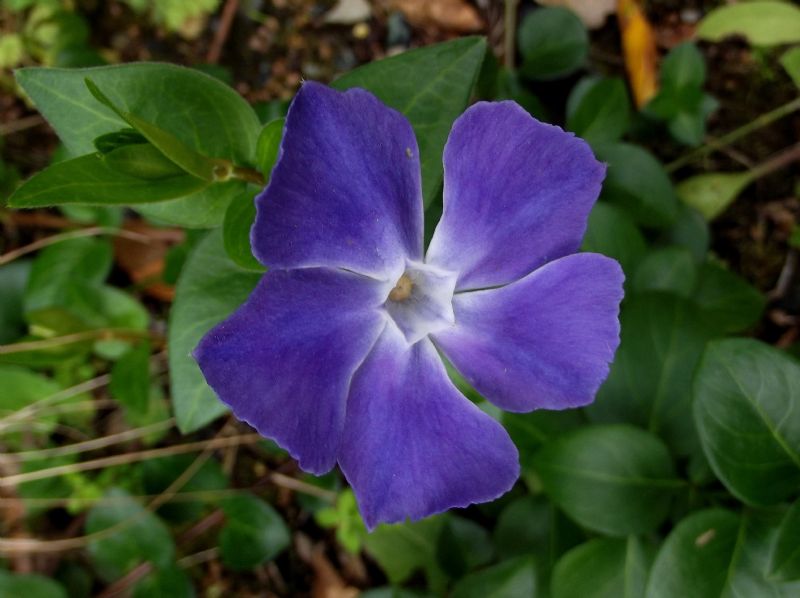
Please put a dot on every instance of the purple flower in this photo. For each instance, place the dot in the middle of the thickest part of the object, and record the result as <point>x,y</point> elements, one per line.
<point>335,354</point>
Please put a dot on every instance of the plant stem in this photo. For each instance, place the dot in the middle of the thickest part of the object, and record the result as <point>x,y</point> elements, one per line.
<point>776,162</point>
<point>77,337</point>
<point>755,124</point>
<point>249,175</point>
<point>510,33</point>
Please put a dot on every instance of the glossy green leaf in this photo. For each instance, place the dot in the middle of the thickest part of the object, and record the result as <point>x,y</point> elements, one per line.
<point>431,86</point>
<point>209,289</point>
<point>784,564</point>
<point>253,533</point>
<point>638,182</point>
<point>663,337</point>
<point>671,269</point>
<point>143,161</point>
<point>712,193</point>
<point>108,142</point>
<point>130,378</point>
<point>729,303</point>
<point>612,232</point>
<point>599,111</point>
<point>92,179</point>
<point>268,145</point>
<point>762,23</point>
<point>530,431</point>
<point>604,568</point>
<point>745,409</point>
<point>29,586</point>
<point>553,42</point>
<point>198,110</point>
<point>514,578</point>
<point>138,536</point>
<point>239,218</point>
<point>718,553</point>
<point>791,62</point>
<point>612,491</point>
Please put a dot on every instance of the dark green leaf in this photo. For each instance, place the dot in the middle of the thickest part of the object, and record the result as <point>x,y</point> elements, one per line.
<point>172,582</point>
<point>729,302</point>
<point>463,545</point>
<point>612,232</point>
<point>553,43</point>
<point>745,409</point>
<point>111,141</point>
<point>269,143</point>
<point>13,278</point>
<point>785,558</point>
<point>515,578</point>
<point>209,289</point>
<point>138,536</point>
<point>671,269</point>
<point>690,230</point>
<point>606,489</point>
<point>253,533</point>
<point>650,383</point>
<point>159,474</point>
<point>239,219</point>
<point>130,378</point>
<point>198,110</point>
<point>431,87</point>
<point>29,586</point>
<point>92,179</point>
<point>683,68</point>
<point>599,110</point>
<point>604,568</point>
<point>639,183</point>
<point>530,431</point>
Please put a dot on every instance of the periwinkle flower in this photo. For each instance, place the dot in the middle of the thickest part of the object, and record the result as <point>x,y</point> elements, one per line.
<point>335,353</point>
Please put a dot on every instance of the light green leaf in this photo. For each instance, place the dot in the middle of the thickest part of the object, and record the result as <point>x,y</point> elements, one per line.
<point>431,86</point>
<point>268,146</point>
<point>604,568</point>
<point>209,289</point>
<point>745,408</point>
<point>791,62</point>
<point>712,193</point>
<point>617,480</point>
<point>762,23</point>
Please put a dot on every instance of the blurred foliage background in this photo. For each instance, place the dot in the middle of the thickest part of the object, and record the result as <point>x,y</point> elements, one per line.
<point>120,475</point>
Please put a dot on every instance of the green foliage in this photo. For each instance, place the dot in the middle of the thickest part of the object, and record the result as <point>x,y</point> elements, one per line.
<point>29,586</point>
<point>514,578</point>
<point>761,22</point>
<point>599,110</point>
<point>785,558</point>
<point>712,193</point>
<point>253,532</point>
<point>553,42</point>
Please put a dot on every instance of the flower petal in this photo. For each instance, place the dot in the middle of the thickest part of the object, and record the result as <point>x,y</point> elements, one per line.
<point>413,445</point>
<point>517,193</point>
<point>543,342</point>
<point>283,361</point>
<point>345,191</point>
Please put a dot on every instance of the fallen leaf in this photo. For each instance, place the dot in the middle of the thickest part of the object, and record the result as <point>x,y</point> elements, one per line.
<point>450,15</point>
<point>144,262</point>
<point>639,50</point>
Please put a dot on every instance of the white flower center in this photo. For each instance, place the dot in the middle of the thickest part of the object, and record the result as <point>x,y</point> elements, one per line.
<point>421,301</point>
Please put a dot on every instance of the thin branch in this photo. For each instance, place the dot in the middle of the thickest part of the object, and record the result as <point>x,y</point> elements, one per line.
<point>21,124</point>
<point>77,337</point>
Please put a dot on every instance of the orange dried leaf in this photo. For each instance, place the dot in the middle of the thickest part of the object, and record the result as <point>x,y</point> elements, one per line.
<point>639,49</point>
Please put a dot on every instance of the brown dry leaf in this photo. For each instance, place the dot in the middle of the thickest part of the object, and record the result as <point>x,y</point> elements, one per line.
<point>144,262</point>
<point>593,13</point>
<point>450,15</point>
<point>639,50</point>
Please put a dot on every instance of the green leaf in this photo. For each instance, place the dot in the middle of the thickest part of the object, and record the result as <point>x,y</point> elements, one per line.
<point>253,533</point>
<point>683,68</point>
<point>22,387</point>
<point>712,193</point>
<point>791,62</point>
<point>111,141</point>
<point>138,536</point>
<point>762,23</point>
<point>612,491</point>
<point>143,161</point>
<point>431,86</point>
<point>690,230</point>
<point>172,582</point>
<point>553,42</point>
<point>729,302</point>
<point>639,183</point>
<point>612,232</point>
<point>599,110</point>
<point>13,278</point>
<point>404,548</point>
<point>239,219</point>
<point>209,289</point>
<point>530,431</point>
<point>717,553</point>
<point>663,337</point>
<point>670,269</point>
<point>130,378</point>
<point>200,111</point>
<point>604,568</point>
<point>462,546</point>
<point>268,146</point>
<point>171,147</point>
<point>515,578</point>
<point>784,564</point>
<point>745,399</point>
<point>29,586</point>
<point>94,179</point>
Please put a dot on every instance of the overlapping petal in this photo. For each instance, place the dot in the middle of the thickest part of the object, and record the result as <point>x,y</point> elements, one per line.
<point>283,361</point>
<point>345,191</point>
<point>412,444</point>
<point>545,341</point>
<point>517,193</point>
